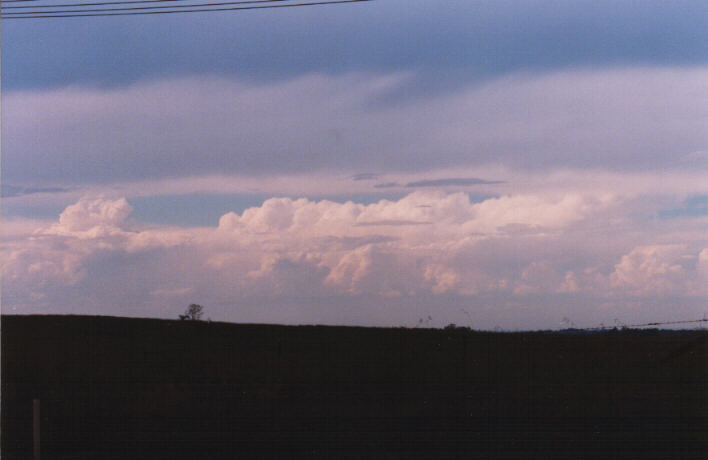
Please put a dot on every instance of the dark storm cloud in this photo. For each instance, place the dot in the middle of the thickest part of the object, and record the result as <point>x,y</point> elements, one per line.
<point>442,41</point>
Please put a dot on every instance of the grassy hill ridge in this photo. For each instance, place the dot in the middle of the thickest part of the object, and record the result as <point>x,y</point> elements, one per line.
<point>146,388</point>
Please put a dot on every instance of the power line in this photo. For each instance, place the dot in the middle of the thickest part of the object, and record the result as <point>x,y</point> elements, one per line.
<point>121,2</point>
<point>176,7</point>
<point>80,13</point>
<point>85,4</point>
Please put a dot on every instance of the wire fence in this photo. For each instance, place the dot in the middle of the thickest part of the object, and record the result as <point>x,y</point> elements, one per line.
<point>630,326</point>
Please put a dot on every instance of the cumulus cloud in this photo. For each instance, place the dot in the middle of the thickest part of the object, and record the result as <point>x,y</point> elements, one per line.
<point>395,223</point>
<point>329,254</point>
<point>93,215</point>
<point>702,268</point>
<point>657,269</point>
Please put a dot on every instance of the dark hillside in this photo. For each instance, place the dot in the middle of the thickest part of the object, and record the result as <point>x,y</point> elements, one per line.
<point>139,388</point>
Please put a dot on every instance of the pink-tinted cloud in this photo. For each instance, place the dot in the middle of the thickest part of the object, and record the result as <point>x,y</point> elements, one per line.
<point>316,255</point>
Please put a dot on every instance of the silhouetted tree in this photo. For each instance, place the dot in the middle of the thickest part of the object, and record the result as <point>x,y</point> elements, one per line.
<point>193,312</point>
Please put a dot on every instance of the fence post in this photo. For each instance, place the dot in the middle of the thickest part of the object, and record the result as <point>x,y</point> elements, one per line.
<point>36,431</point>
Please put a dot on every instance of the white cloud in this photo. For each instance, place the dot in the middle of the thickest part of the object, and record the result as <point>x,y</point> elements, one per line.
<point>93,217</point>
<point>501,251</point>
<point>657,269</point>
<point>442,277</point>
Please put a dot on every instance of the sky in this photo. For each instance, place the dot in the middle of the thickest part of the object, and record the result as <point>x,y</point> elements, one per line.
<point>493,164</point>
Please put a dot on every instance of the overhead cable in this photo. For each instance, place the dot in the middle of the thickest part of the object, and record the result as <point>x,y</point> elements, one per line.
<point>175,9</point>
<point>120,2</point>
<point>134,8</point>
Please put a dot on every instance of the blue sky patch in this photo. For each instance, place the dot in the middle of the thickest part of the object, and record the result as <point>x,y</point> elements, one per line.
<point>696,206</point>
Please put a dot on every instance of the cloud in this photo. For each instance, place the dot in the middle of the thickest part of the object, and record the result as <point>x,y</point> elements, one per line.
<point>394,223</point>
<point>365,176</point>
<point>443,278</point>
<point>174,292</point>
<point>621,120</point>
<point>481,39</point>
<point>387,185</point>
<point>12,191</point>
<point>654,269</point>
<point>702,266</point>
<point>320,256</point>
<point>459,182</point>
<point>596,149</point>
<point>93,214</point>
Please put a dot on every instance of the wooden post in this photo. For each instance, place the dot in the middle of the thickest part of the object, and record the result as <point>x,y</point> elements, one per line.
<point>36,420</point>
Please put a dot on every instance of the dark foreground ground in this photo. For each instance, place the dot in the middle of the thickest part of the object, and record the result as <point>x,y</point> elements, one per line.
<point>131,388</point>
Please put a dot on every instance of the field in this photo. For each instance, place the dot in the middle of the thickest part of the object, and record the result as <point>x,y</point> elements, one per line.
<point>158,389</point>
